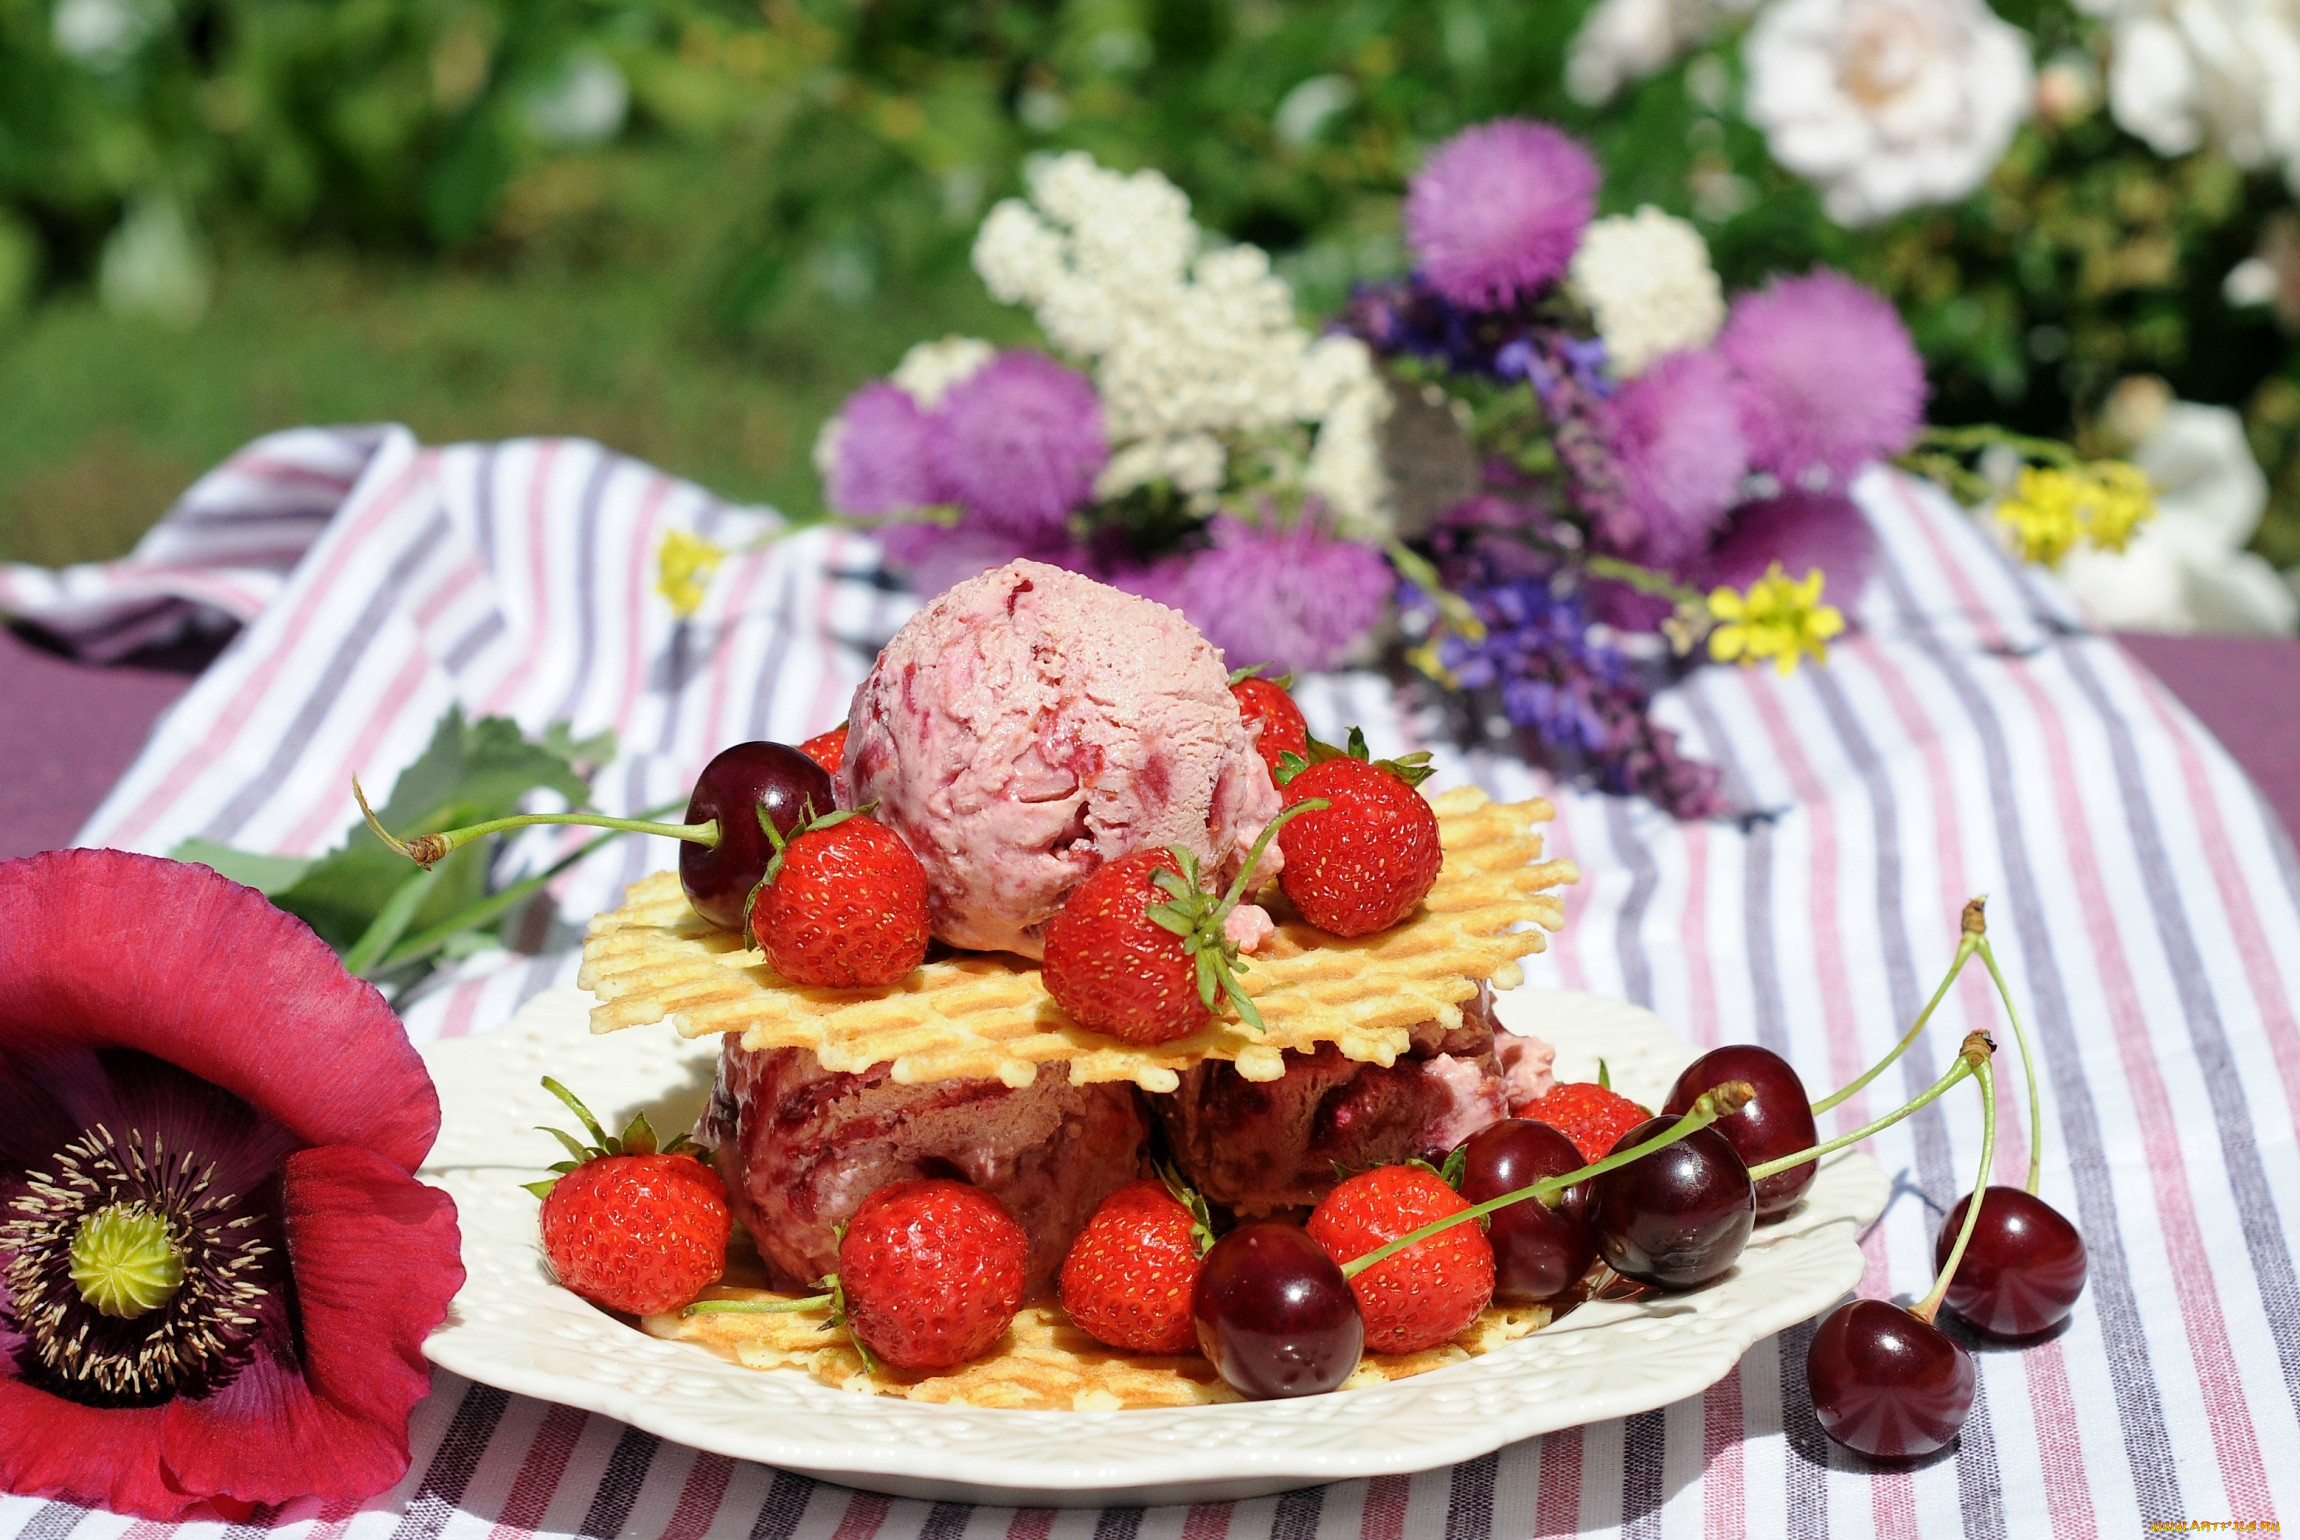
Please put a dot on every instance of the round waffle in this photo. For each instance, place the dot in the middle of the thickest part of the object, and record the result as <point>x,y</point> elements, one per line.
<point>1044,1362</point>
<point>976,1015</point>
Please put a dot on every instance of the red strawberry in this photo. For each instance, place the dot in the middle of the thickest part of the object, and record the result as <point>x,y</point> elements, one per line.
<point>1429,1292</point>
<point>1138,949</point>
<point>843,905</point>
<point>1266,702</point>
<point>931,1273</point>
<point>1593,1116</point>
<point>1363,863</point>
<point>1132,1274</point>
<point>828,750</point>
<point>630,1226</point>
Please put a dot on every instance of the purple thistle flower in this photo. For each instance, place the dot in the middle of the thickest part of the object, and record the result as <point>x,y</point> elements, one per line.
<point>879,460</point>
<point>1496,211</point>
<point>1019,443</point>
<point>1829,378</point>
<point>1675,433</point>
<point>1801,530</point>
<point>1294,598</point>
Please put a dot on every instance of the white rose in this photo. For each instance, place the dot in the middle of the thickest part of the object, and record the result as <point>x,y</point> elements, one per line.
<point>1887,105</point>
<point>2185,73</point>
<point>2187,569</point>
<point>1646,279</point>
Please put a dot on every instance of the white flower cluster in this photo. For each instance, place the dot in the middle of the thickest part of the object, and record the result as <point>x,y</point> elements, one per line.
<point>929,370</point>
<point>1622,41</point>
<point>1887,105</point>
<point>1647,282</point>
<point>2186,73</point>
<point>1187,346</point>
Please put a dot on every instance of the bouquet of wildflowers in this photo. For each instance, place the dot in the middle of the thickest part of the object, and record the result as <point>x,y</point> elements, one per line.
<point>1547,468</point>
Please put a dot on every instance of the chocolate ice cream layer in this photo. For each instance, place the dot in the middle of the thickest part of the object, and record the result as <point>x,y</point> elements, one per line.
<point>1263,1147</point>
<point>800,1147</point>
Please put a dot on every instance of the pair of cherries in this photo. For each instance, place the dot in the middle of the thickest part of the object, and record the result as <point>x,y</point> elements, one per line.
<point>1279,1319</point>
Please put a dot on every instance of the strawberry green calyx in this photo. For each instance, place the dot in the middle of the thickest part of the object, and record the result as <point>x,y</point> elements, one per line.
<point>1239,676</point>
<point>1413,769</point>
<point>1197,917</point>
<point>810,822</point>
<point>638,1138</point>
<point>1201,1217</point>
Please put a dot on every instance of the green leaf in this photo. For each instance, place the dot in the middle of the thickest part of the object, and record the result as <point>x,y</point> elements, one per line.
<point>266,874</point>
<point>471,772</point>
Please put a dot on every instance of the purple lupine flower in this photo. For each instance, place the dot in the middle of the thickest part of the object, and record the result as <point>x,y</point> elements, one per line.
<point>1675,433</point>
<point>1584,703</point>
<point>1829,377</point>
<point>1294,598</point>
<point>1496,211</point>
<point>878,462</point>
<point>1801,530</point>
<point>1019,443</point>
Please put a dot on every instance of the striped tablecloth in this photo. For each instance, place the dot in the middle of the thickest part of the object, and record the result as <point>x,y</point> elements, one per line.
<point>1970,738</point>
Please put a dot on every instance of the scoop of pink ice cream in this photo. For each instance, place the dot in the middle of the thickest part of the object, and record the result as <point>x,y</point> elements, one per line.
<point>1031,724</point>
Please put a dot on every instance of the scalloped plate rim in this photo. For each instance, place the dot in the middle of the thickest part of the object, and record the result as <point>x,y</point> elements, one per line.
<point>867,1447</point>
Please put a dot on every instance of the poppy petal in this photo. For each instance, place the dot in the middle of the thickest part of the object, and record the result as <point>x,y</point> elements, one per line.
<point>110,949</point>
<point>105,1458</point>
<point>376,1259</point>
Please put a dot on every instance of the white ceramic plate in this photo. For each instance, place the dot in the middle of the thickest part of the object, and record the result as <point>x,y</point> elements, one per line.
<point>513,1328</point>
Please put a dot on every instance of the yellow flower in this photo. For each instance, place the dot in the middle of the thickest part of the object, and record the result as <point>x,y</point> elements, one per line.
<point>2043,514</point>
<point>2101,503</point>
<point>1777,618</point>
<point>2120,502</point>
<point>683,566</point>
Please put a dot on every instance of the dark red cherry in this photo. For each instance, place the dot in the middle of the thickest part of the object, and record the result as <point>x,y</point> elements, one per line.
<point>2023,1268</point>
<point>1678,1217</point>
<point>1275,1315</point>
<point>1538,1252</point>
<point>1778,1120</point>
<point>1885,1383</point>
<point>733,788</point>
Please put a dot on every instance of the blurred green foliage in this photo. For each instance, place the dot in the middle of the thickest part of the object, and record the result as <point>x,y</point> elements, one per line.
<point>766,196</point>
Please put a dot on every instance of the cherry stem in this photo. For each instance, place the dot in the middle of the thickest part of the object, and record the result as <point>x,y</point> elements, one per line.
<point>758,1306</point>
<point>426,849</point>
<point>2028,1069</point>
<point>1717,1102</point>
<point>1975,1058</point>
<point>1932,1093</point>
<point>1969,942</point>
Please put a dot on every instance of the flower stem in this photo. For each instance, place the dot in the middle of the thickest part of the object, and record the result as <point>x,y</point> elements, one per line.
<point>1987,435</point>
<point>1644,579</point>
<point>2028,1068</point>
<point>1717,1102</point>
<point>1957,1072</point>
<point>389,924</point>
<point>757,1306</point>
<point>1975,1060</point>
<point>1967,943</point>
<point>425,849</point>
<point>424,942</point>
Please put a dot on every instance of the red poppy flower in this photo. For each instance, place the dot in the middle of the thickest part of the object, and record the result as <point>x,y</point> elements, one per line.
<point>216,1268</point>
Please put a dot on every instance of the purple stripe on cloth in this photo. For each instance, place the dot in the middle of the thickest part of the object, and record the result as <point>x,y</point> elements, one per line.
<point>619,1488</point>
<point>1980,1490</point>
<point>452,1464</point>
<point>2239,1140</point>
<point>2140,1411</point>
